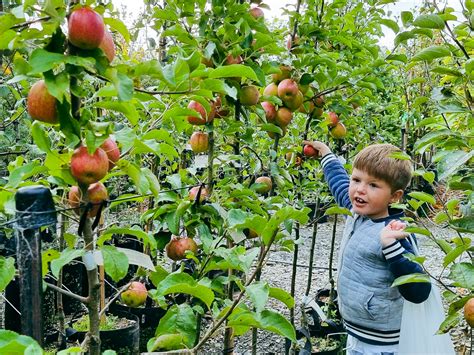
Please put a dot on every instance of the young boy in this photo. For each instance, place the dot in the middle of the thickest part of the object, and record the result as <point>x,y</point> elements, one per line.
<point>372,247</point>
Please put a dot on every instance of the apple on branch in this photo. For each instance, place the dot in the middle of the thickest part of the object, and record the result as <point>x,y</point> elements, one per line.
<point>135,295</point>
<point>89,168</point>
<point>178,246</point>
<point>41,104</point>
<point>86,28</point>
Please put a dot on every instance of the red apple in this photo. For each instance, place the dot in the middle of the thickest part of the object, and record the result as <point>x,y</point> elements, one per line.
<point>256,12</point>
<point>320,101</point>
<point>205,116</point>
<point>339,131</point>
<point>86,28</point>
<point>230,59</point>
<point>41,104</point>
<point>193,192</point>
<point>111,149</point>
<point>271,90</point>
<point>89,168</point>
<point>135,295</point>
<point>108,46</point>
<point>283,117</point>
<point>270,111</point>
<point>96,194</point>
<point>249,95</point>
<point>333,119</point>
<point>199,142</point>
<point>177,247</point>
<point>295,102</point>
<point>287,90</point>
<point>267,184</point>
<point>309,151</point>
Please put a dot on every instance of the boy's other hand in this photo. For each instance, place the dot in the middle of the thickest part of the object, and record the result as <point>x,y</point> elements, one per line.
<point>322,148</point>
<point>392,232</point>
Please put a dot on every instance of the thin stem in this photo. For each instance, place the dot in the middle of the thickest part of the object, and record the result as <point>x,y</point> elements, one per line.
<point>67,293</point>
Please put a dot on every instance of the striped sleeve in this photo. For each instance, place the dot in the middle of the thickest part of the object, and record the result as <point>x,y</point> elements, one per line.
<point>337,179</point>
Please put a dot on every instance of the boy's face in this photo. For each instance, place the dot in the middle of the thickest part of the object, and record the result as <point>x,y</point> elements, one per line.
<point>371,196</point>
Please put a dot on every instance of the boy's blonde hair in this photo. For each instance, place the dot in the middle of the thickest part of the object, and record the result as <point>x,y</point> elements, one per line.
<point>375,160</point>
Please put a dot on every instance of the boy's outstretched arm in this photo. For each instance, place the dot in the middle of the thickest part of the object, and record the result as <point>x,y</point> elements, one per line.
<point>334,173</point>
<point>394,245</point>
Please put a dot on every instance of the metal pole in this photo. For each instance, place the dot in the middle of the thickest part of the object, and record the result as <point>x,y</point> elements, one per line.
<point>34,209</point>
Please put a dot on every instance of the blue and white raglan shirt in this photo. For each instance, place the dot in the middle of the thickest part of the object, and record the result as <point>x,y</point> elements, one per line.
<point>370,307</point>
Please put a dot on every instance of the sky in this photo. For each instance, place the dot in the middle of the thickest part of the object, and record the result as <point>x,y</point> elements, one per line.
<point>133,7</point>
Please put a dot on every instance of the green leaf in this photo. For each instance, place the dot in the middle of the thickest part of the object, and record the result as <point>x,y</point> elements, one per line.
<point>423,196</point>
<point>24,172</point>
<point>119,26</point>
<point>449,323</point>
<point>7,271</point>
<point>13,343</point>
<point>430,53</point>
<point>258,293</point>
<point>337,210</point>
<point>166,342</point>
<point>282,296</point>
<point>46,257</point>
<point>115,262</point>
<point>465,224</point>
<point>127,108</point>
<point>390,24</point>
<point>463,275</point>
<point>67,255</point>
<point>283,214</point>
<point>403,37</point>
<point>233,70</point>
<point>418,230</point>
<point>411,278</point>
<point>277,324</point>
<point>40,137</point>
<point>454,254</point>
<point>184,283</point>
<point>452,162</point>
<point>179,320</point>
<point>146,238</point>
<point>407,18</point>
<point>429,21</point>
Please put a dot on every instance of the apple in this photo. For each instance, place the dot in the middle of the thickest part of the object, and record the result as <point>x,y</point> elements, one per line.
<point>271,90</point>
<point>333,119</point>
<point>309,151</point>
<point>85,28</point>
<point>230,59</point>
<point>199,142</point>
<point>290,155</point>
<point>89,168</point>
<point>469,312</point>
<point>287,90</point>
<point>294,103</point>
<point>267,184</point>
<point>96,194</point>
<point>292,44</point>
<point>193,192</point>
<point>108,46</point>
<point>177,247</point>
<point>320,101</point>
<point>205,116</point>
<point>249,95</point>
<point>256,12</point>
<point>285,73</point>
<point>338,132</point>
<point>111,149</point>
<point>135,295</point>
<point>41,104</point>
<point>283,117</point>
<point>270,111</point>
<point>220,111</point>
<point>317,112</point>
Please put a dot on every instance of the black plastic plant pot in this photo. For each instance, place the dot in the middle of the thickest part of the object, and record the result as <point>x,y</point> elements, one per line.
<point>320,216</point>
<point>147,316</point>
<point>330,344</point>
<point>123,341</point>
<point>333,324</point>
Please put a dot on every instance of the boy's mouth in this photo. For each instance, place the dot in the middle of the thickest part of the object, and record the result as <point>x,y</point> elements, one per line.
<point>359,200</point>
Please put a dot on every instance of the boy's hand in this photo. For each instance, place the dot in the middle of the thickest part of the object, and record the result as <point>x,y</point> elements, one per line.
<point>322,148</point>
<point>392,232</point>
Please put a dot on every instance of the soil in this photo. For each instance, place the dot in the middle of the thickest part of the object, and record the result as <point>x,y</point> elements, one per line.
<point>278,273</point>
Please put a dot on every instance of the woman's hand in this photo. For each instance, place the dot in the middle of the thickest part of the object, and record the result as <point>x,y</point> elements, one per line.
<point>322,148</point>
<point>392,232</point>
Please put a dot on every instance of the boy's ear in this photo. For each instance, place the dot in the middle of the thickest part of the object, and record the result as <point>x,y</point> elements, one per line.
<point>396,196</point>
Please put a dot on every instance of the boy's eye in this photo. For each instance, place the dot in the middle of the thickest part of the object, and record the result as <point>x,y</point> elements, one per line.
<point>355,179</point>
<point>373,185</point>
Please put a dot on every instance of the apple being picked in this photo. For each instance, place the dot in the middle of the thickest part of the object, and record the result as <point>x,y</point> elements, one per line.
<point>178,246</point>
<point>89,168</point>
<point>309,151</point>
<point>135,295</point>
<point>111,149</point>
<point>86,28</point>
<point>41,104</point>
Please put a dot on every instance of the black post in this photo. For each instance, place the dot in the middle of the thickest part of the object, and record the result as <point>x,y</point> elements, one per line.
<point>34,209</point>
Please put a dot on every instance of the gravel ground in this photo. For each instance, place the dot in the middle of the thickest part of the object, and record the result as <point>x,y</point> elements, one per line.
<point>278,273</point>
